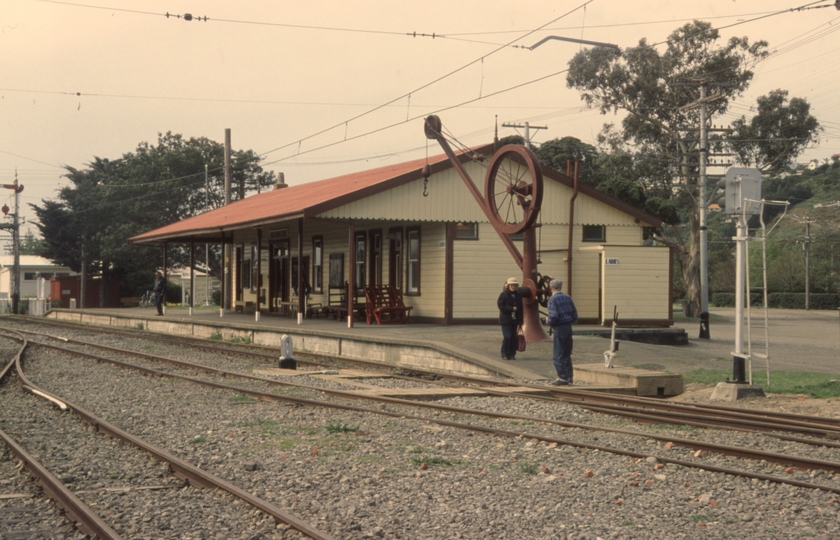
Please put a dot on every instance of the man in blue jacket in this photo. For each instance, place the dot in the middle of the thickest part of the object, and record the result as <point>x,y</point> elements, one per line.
<point>561,314</point>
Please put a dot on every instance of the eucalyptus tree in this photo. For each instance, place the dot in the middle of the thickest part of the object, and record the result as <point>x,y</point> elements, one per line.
<point>657,92</point>
<point>780,131</point>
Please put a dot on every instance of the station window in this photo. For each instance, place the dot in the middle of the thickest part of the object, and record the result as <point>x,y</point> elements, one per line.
<point>360,260</point>
<point>317,264</point>
<point>594,233</point>
<point>466,231</point>
<point>413,263</point>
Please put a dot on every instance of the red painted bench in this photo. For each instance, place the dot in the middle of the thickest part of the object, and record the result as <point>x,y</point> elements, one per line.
<point>384,304</point>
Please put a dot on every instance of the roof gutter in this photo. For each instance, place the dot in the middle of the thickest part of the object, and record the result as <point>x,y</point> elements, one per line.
<point>571,224</point>
<point>212,230</point>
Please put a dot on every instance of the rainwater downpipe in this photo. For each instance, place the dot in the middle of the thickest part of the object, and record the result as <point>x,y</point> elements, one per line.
<point>571,224</point>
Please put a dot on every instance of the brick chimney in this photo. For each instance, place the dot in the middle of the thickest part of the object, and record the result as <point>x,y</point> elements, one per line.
<point>281,181</point>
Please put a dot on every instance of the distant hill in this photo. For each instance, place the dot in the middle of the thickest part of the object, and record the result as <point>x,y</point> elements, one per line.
<point>812,221</point>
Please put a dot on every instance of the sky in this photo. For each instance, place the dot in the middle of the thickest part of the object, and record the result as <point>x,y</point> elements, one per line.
<point>327,87</point>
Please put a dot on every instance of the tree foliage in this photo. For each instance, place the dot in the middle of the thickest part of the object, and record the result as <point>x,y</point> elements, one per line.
<point>779,132</point>
<point>557,153</point>
<point>109,201</point>
<point>656,91</point>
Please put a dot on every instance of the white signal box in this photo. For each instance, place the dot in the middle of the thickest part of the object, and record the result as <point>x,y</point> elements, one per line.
<point>743,190</point>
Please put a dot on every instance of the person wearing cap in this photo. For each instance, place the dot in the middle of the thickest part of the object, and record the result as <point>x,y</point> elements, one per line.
<point>510,317</point>
<point>561,314</point>
<point>159,290</point>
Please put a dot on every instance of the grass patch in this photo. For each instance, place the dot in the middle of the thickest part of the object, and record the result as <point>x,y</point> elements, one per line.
<point>627,523</point>
<point>527,467</point>
<point>285,444</point>
<point>140,326</point>
<point>273,428</point>
<point>431,460</point>
<point>216,336</point>
<point>420,450</point>
<point>198,440</point>
<point>243,399</point>
<point>815,385</point>
<point>696,518</point>
<point>337,426</point>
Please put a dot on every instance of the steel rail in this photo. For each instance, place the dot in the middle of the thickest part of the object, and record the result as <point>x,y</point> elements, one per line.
<point>782,459</point>
<point>702,422</point>
<point>577,395</point>
<point>816,430</point>
<point>181,468</point>
<point>739,420</point>
<point>565,395</point>
<point>830,424</point>
<point>654,419</point>
<point>87,520</point>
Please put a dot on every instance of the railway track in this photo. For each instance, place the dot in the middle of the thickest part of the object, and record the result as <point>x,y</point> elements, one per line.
<point>551,415</point>
<point>132,484</point>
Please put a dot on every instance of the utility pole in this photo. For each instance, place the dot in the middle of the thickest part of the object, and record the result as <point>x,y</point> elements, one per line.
<point>702,205</point>
<point>15,228</point>
<point>528,127</point>
<point>227,274</point>
<point>206,245</point>
<point>704,239</point>
<point>807,247</point>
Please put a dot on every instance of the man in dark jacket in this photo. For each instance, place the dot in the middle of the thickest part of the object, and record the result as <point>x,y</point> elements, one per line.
<point>561,314</point>
<point>159,290</point>
<point>510,317</point>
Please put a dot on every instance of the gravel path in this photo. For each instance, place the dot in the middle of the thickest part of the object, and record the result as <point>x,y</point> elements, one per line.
<point>358,475</point>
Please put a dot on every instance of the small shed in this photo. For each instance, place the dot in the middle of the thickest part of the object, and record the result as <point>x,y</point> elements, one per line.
<point>67,289</point>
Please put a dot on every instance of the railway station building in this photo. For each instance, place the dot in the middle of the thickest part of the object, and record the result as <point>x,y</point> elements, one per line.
<point>426,237</point>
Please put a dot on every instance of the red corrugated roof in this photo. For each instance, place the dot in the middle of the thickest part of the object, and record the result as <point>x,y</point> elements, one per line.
<point>302,200</point>
<point>308,200</point>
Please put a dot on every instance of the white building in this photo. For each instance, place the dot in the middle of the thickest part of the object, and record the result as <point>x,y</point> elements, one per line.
<point>32,267</point>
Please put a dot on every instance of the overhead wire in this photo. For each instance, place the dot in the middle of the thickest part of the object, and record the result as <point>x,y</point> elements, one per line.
<point>424,86</point>
<point>463,104</point>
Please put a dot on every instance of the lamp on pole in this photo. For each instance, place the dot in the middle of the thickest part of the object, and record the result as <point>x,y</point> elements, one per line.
<point>15,228</point>
<point>206,245</point>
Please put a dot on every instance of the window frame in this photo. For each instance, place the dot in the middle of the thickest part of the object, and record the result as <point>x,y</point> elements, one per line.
<point>395,257</point>
<point>468,236</point>
<point>255,278</point>
<point>592,228</point>
<point>361,261</point>
<point>317,282</point>
<point>413,265</point>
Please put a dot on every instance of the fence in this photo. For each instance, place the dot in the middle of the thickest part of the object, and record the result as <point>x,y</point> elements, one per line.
<point>32,306</point>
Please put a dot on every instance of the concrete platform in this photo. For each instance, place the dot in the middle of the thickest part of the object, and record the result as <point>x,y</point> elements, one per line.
<point>469,350</point>
<point>647,383</point>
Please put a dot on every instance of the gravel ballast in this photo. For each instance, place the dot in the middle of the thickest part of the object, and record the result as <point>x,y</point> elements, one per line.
<point>361,475</point>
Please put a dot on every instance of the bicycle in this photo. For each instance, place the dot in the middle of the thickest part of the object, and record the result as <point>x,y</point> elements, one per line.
<point>148,299</point>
